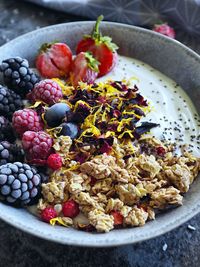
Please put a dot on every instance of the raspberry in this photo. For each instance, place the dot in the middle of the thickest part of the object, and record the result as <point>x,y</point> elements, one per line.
<point>160,150</point>
<point>48,213</point>
<point>26,120</point>
<point>70,208</point>
<point>54,161</point>
<point>47,91</point>
<point>118,218</point>
<point>37,146</point>
<point>164,29</point>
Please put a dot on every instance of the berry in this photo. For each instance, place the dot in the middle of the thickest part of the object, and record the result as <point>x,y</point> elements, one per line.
<point>102,48</point>
<point>48,213</point>
<point>84,69</point>
<point>164,29</point>
<point>54,60</point>
<point>160,151</point>
<point>70,208</point>
<point>6,130</point>
<point>37,146</point>
<point>9,102</point>
<point>47,91</point>
<point>55,114</point>
<point>118,218</point>
<point>25,120</point>
<point>69,129</point>
<point>54,161</point>
<point>10,153</point>
<point>18,76</point>
<point>19,183</point>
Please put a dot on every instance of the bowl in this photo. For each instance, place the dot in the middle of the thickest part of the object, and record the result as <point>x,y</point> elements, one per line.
<point>168,56</point>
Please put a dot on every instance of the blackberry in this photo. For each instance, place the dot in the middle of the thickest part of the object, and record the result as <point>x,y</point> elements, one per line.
<point>9,102</point>
<point>10,153</point>
<point>6,130</point>
<point>18,76</point>
<point>20,184</point>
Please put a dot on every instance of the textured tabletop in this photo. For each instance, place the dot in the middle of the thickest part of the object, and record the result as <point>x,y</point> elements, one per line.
<point>180,247</point>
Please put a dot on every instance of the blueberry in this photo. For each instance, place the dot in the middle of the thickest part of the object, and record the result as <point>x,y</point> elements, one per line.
<point>69,129</point>
<point>55,114</point>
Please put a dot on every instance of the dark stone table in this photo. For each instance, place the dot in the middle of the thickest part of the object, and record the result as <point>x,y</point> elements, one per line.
<point>177,248</point>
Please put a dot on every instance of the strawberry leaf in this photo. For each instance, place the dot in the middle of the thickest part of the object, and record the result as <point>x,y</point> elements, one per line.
<point>92,62</point>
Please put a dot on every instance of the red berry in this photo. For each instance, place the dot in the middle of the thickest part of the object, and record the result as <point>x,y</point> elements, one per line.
<point>37,146</point>
<point>26,120</point>
<point>48,213</point>
<point>84,68</point>
<point>164,29</point>
<point>118,218</point>
<point>54,60</point>
<point>102,48</point>
<point>54,161</point>
<point>47,91</point>
<point>160,150</point>
<point>70,208</point>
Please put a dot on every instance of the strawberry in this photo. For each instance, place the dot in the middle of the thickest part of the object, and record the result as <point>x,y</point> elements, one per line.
<point>102,48</point>
<point>54,60</point>
<point>84,68</point>
<point>164,29</point>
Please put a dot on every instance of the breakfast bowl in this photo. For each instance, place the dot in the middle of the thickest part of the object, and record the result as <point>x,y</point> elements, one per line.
<point>169,57</point>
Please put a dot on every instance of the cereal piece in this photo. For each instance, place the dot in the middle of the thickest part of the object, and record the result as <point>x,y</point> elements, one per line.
<point>127,193</point>
<point>98,171</point>
<point>118,174</point>
<point>136,217</point>
<point>149,164</point>
<point>75,181</point>
<point>41,204</point>
<point>62,145</point>
<point>101,221</point>
<point>179,176</point>
<point>114,204</point>
<point>164,197</point>
<point>125,210</point>
<point>102,186</point>
<point>54,192</point>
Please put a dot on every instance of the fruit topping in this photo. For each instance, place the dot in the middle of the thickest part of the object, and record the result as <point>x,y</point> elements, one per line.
<point>54,161</point>
<point>69,129</point>
<point>18,76</point>
<point>48,213</point>
<point>10,153</point>
<point>102,48</point>
<point>55,114</point>
<point>19,183</point>
<point>38,146</point>
<point>9,102</point>
<point>54,60</point>
<point>47,91</point>
<point>84,69</point>
<point>26,120</point>
<point>70,209</point>
<point>118,218</point>
<point>6,130</point>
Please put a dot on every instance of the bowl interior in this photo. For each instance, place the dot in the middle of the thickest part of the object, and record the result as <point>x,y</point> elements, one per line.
<point>168,56</point>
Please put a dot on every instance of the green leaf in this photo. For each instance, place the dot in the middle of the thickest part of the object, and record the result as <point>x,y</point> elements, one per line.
<point>92,62</point>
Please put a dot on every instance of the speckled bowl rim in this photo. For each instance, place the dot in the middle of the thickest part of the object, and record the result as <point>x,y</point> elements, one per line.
<point>105,241</point>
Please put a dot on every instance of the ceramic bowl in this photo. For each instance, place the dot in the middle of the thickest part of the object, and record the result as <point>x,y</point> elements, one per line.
<point>168,56</point>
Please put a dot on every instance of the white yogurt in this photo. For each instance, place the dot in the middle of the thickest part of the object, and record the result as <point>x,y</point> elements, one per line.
<point>171,107</point>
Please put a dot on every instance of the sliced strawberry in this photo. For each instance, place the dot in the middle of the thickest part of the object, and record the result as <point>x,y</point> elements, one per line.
<point>84,68</point>
<point>101,47</point>
<point>118,218</point>
<point>54,60</point>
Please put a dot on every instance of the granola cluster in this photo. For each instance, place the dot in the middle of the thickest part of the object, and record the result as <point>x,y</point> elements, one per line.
<point>138,186</point>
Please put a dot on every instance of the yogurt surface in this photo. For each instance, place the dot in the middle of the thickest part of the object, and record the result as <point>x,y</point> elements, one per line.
<point>172,109</point>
